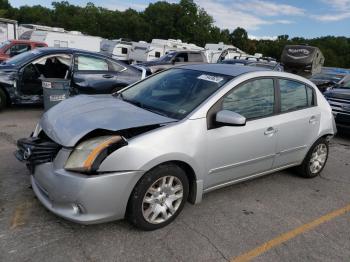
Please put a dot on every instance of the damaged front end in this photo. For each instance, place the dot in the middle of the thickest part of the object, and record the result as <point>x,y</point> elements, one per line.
<point>86,157</point>
<point>36,151</point>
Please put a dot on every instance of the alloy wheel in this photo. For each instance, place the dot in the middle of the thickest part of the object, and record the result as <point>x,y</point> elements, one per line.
<point>162,199</point>
<point>318,158</point>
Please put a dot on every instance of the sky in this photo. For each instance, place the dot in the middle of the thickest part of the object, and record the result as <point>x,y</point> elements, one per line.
<point>261,18</point>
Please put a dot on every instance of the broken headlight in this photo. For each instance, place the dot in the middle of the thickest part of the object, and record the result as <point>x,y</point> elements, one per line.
<point>89,154</point>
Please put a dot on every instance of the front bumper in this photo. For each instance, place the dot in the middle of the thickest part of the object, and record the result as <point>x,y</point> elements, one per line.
<point>81,198</point>
<point>342,119</point>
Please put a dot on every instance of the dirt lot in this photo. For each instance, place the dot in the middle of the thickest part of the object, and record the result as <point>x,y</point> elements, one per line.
<point>280,217</point>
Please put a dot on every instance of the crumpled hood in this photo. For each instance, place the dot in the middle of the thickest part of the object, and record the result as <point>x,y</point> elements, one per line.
<point>70,120</point>
<point>341,93</point>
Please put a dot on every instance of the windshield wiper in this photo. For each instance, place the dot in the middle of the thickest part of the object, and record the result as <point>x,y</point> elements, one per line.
<point>153,110</point>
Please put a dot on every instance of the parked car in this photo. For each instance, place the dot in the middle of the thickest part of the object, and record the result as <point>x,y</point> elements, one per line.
<point>175,58</point>
<point>12,48</point>
<point>89,72</point>
<point>325,81</point>
<point>171,138</point>
<point>272,65</point>
<point>338,97</point>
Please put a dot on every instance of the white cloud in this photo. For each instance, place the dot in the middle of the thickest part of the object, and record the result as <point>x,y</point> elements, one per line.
<point>231,15</point>
<point>331,17</point>
<point>123,5</point>
<point>270,8</point>
<point>254,37</point>
<point>340,5</point>
<point>340,10</point>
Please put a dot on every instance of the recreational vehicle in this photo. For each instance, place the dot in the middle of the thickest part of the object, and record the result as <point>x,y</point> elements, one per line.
<point>138,52</point>
<point>8,29</point>
<point>218,52</point>
<point>118,49</point>
<point>160,47</point>
<point>303,60</point>
<point>58,37</point>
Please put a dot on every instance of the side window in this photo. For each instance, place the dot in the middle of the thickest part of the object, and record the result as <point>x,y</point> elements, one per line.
<point>293,95</point>
<point>54,66</point>
<point>90,63</point>
<point>182,57</point>
<point>124,50</point>
<point>253,99</point>
<point>195,57</point>
<point>157,54</point>
<point>18,49</point>
<point>115,67</point>
<point>310,96</point>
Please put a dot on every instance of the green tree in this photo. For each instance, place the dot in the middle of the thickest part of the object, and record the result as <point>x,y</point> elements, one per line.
<point>239,38</point>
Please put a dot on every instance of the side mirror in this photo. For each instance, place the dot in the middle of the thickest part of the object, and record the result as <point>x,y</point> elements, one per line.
<point>229,118</point>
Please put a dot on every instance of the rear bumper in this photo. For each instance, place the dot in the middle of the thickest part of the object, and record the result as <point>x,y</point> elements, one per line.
<point>84,199</point>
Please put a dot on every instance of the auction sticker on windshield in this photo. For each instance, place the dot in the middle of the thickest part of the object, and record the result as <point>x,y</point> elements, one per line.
<point>215,79</point>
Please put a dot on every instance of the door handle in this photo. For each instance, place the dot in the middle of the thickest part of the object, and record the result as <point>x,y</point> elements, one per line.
<point>313,120</point>
<point>270,131</point>
<point>107,76</point>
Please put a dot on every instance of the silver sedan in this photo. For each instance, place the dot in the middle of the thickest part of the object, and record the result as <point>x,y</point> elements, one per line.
<point>168,139</point>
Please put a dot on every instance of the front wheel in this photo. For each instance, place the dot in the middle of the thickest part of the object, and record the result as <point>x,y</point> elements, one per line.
<point>315,160</point>
<point>158,197</point>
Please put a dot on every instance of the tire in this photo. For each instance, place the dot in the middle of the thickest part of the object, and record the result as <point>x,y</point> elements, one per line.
<point>315,159</point>
<point>3,100</point>
<point>152,203</point>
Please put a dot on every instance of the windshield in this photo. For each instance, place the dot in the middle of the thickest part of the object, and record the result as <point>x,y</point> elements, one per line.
<point>22,58</point>
<point>3,44</point>
<point>176,92</point>
<point>167,57</point>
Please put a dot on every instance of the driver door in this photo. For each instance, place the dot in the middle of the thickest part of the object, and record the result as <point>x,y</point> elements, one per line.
<point>49,66</point>
<point>237,152</point>
<point>30,82</point>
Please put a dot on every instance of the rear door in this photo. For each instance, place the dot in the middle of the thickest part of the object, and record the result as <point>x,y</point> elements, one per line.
<point>94,74</point>
<point>298,122</point>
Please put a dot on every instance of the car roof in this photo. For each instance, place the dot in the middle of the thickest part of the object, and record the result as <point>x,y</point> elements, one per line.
<point>50,50</point>
<point>224,69</point>
<point>26,42</point>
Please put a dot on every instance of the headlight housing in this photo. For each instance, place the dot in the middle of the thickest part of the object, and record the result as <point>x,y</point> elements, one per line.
<point>89,154</point>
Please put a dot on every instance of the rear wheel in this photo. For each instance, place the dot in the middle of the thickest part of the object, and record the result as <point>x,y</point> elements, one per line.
<point>315,160</point>
<point>3,99</point>
<point>158,197</point>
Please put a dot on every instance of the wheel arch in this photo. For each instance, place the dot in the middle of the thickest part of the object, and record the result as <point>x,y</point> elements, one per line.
<point>195,185</point>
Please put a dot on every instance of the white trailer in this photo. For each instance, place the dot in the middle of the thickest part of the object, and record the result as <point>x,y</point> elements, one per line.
<point>220,51</point>
<point>160,47</point>
<point>138,52</point>
<point>117,48</point>
<point>71,39</point>
<point>8,29</point>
